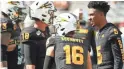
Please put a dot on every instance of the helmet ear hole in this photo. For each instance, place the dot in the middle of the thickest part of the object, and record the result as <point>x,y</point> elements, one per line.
<point>44,15</point>
<point>37,3</point>
<point>63,33</point>
<point>43,19</point>
<point>9,10</point>
<point>62,29</point>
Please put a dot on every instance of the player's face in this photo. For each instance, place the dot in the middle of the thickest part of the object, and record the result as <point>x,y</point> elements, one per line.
<point>40,25</point>
<point>94,17</point>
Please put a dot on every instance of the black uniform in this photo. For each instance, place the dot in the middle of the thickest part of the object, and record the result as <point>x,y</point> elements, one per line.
<point>13,57</point>
<point>87,32</point>
<point>10,56</point>
<point>6,26</point>
<point>34,42</point>
<point>109,45</point>
<point>70,53</point>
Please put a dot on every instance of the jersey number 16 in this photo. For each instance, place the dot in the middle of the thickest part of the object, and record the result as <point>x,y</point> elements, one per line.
<point>74,54</point>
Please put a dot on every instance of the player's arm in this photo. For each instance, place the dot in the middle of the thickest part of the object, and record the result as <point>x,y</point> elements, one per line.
<point>49,58</point>
<point>29,57</point>
<point>29,47</point>
<point>89,64</point>
<point>117,48</point>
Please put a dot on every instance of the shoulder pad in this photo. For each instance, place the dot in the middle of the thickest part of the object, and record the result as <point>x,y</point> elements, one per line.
<point>114,33</point>
<point>83,31</point>
<point>6,25</point>
<point>31,33</point>
<point>27,33</point>
<point>50,41</point>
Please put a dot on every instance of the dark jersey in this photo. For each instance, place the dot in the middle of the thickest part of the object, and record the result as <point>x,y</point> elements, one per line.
<point>109,45</point>
<point>70,53</point>
<point>34,42</point>
<point>35,36</point>
<point>31,34</point>
<point>15,57</point>
<point>6,25</point>
<point>6,29</point>
<point>15,37</point>
<point>87,33</point>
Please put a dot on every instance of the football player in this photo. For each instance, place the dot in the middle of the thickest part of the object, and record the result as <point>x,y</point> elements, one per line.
<point>68,51</point>
<point>86,31</point>
<point>34,37</point>
<point>108,40</point>
<point>16,14</point>
<point>6,32</point>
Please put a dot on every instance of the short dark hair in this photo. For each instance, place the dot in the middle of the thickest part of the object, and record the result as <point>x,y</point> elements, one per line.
<point>99,5</point>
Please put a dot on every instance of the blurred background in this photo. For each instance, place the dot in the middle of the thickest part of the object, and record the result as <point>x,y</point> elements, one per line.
<point>115,14</point>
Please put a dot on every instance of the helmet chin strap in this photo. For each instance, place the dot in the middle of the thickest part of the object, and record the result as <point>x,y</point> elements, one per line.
<point>29,11</point>
<point>51,17</point>
<point>51,21</point>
